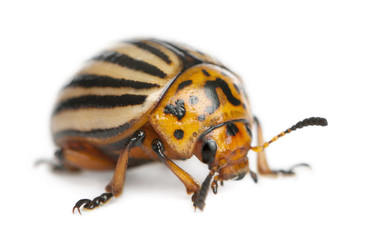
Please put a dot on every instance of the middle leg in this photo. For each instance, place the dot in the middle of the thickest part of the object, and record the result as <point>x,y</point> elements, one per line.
<point>115,187</point>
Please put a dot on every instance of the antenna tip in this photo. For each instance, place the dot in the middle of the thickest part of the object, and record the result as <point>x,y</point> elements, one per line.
<point>318,121</point>
<point>324,122</point>
<point>313,121</point>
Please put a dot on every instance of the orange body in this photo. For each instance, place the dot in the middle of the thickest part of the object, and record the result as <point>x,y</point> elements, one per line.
<point>151,100</point>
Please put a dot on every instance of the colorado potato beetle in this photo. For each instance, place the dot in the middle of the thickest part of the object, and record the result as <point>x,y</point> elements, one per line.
<point>148,100</point>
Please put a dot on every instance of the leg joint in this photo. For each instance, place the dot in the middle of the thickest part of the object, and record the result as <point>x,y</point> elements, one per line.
<point>159,148</point>
<point>137,138</point>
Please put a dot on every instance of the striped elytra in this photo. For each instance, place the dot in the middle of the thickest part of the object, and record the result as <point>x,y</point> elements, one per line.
<point>113,90</point>
<point>150,100</point>
<point>114,93</point>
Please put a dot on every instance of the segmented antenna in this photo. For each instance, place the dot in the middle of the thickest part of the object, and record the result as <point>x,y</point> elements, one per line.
<point>313,121</point>
<point>199,201</point>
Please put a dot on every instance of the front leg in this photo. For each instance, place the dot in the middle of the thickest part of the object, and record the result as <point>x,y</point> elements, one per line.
<point>190,183</point>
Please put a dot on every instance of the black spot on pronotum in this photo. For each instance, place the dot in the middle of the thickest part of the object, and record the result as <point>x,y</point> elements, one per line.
<point>178,134</point>
<point>178,110</point>
<point>210,89</point>
<point>183,84</point>
<point>193,100</point>
<point>232,129</point>
<point>201,117</point>
<point>207,74</point>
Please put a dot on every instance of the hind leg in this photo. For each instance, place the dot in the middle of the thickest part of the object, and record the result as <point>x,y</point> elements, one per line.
<point>84,156</point>
<point>79,156</point>
<point>58,164</point>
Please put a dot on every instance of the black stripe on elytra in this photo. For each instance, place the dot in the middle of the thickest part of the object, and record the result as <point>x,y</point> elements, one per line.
<point>187,58</point>
<point>153,50</point>
<point>210,89</point>
<point>183,84</point>
<point>97,101</point>
<point>232,129</point>
<point>90,80</point>
<point>129,62</point>
<point>178,110</point>
<point>94,133</point>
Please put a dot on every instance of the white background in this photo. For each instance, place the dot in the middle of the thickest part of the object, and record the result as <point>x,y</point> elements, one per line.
<point>297,58</point>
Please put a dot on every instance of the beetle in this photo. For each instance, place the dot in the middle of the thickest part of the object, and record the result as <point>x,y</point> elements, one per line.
<point>146,100</point>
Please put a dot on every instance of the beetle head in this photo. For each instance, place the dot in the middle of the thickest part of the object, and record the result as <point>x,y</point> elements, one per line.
<point>225,150</point>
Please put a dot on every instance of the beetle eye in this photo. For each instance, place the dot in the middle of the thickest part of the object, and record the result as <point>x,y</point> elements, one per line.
<point>208,151</point>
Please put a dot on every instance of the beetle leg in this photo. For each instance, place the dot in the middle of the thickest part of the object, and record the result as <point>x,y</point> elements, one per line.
<point>117,183</point>
<point>253,176</point>
<point>80,156</point>
<point>214,186</point>
<point>189,182</point>
<point>262,164</point>
<point>290,171</point>
<point>60,165</point>
<point>115,187</point>
<point>91,204</point>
